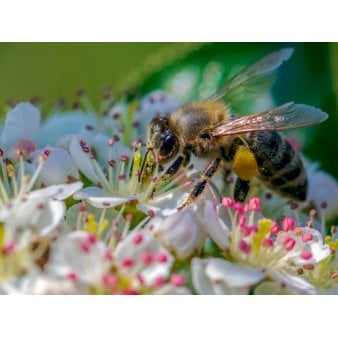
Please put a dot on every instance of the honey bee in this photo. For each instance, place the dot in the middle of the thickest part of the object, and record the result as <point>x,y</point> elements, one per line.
<point>249,145</point>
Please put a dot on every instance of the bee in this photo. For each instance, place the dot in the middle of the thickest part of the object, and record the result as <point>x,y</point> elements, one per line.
<point>250,146</point>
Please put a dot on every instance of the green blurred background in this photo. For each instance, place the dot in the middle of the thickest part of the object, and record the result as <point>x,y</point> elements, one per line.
<point>56,70</point>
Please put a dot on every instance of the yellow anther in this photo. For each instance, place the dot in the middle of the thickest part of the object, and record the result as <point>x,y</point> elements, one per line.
<point>333,246</point>
<point>328,239</point>
<point>90,218</point>
<point>244,164</point>
<point>264,226</point>
<point>104,225</point>
<point>91,225</point>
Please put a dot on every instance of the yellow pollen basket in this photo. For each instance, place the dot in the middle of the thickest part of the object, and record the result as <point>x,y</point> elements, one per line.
<point>244,164</point>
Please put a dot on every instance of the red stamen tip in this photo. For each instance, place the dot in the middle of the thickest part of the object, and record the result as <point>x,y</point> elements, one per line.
<point>227,202</point>
<point>138,238</point>
<point>177,280</point>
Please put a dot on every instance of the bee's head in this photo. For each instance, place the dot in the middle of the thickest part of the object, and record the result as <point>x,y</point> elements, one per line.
<point>162,140</point>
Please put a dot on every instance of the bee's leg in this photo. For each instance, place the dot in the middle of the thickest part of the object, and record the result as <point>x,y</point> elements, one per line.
<point>202,182</point>
<point>175,166</point>
<point>241,190</point>
<point>181,160</point>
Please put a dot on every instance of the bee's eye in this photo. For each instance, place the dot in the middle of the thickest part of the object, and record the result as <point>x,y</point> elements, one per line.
<point>168,143</point>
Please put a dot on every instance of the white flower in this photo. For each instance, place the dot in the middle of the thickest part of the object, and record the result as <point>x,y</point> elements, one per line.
<point>140,258</point>
<point>283,252</point>
<point>218,276</point>
<point>28,222</point>
<point>182,233</point>
<point>38,211</point>
<point>33,213</point>
<point>22,123</point>
<point>114,190</point>
<point>79,257</point>
<point>138,265</point>
<point>121,184</point>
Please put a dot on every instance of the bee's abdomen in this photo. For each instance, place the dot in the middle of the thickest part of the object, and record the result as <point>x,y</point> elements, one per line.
<point>280,167</point>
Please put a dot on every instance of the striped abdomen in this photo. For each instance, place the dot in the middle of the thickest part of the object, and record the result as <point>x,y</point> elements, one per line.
<point>280,167</point>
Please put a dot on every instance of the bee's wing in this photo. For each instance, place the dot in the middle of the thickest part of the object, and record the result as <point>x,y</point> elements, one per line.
<point>252,77</point>
<point>287,116</point>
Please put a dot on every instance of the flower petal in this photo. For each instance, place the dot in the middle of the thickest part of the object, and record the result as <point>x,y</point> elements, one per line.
<point>76,255</point>
<point>295,284</point>
<point>33,212</point>
<point>233,274</point>
<point>317,250</point>
<point>48,285</point>
<point>98,198</point>
<point>58,168</point>
<point>59,191</point>
<point>82,161</point>
<point>22,122</point>
<point>181,233</point>
<point>216,228</point>
<point>127,248</point>
<point>92,191</point>
<point>202,283</point>
<point>165,204</point>
<point>218,276</point>
<point>62,124</point>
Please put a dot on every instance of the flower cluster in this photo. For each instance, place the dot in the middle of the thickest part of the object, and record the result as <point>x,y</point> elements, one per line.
<point>78,217</point>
